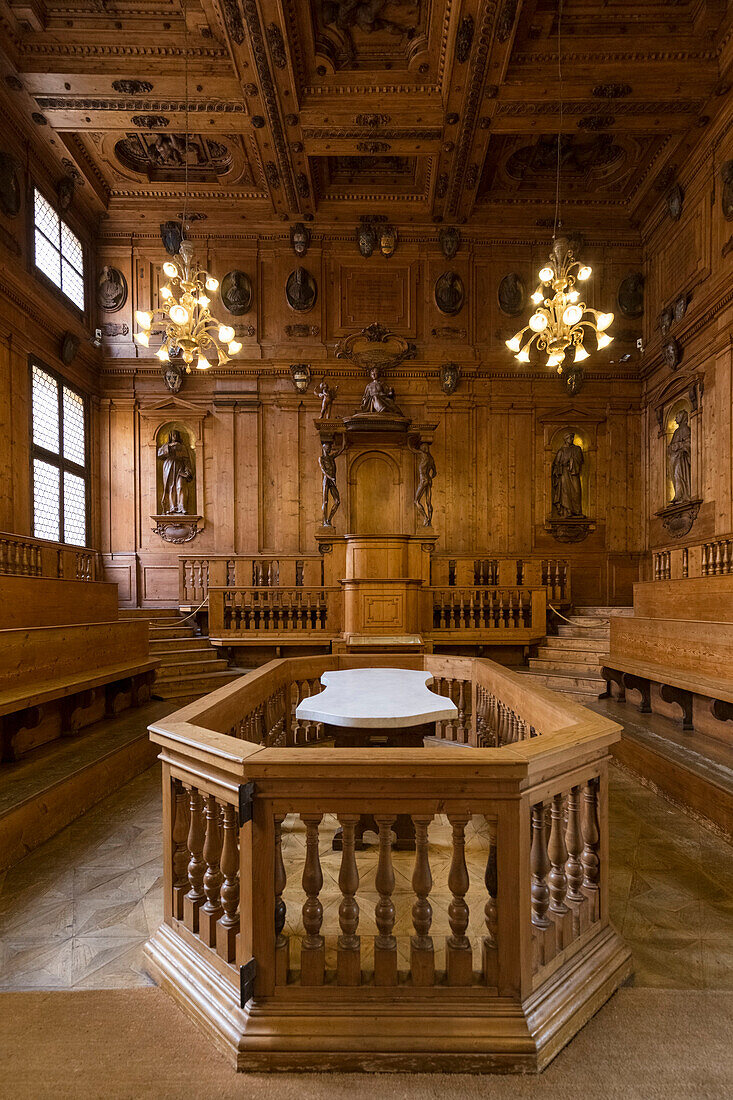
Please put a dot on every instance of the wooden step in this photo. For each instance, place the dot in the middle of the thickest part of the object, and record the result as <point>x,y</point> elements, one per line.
<point>564,668</point>
<point>185,687</point>
<point>190,668</point>
<point>564,682</point>
<point>574,654</point>
<point>605,612</point>
<point>165,645</point>
<point>192,653</point>
<point>578,641</point>
<point>160,633</point>
<point>567,631</point>
<point>149,612</point>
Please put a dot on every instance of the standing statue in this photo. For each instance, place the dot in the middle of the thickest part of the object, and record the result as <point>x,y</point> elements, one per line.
<point>177,472</point>
<point>567,494</point>
<point>327,395</point>
<point>327,462</point>
<point>679,453</point>
<point>426,472</point>
<point>379,398</point>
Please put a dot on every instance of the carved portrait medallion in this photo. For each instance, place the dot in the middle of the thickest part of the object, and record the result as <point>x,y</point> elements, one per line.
<point>236,292</point>
<point>301,290</point>
<point>449,293</point>
<point>300,238</point>
<point>631,295</point>
<point>9,186</point>
<point>111,289</point>
<point>675,202</point>
<point>511,294</point>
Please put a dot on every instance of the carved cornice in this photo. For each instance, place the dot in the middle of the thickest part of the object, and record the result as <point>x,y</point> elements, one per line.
<point>471,105</point>
<point>600,107</point>
<point>129,103</point>
<point>270,100</point>
<point>337,133</point>
<point>38,49</point>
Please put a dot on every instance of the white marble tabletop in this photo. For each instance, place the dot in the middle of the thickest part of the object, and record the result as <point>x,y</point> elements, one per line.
<point>372,698</point>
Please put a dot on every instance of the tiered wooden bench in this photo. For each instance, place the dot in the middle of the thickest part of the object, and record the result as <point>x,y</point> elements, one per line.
<point>65,671</point>
<point>687,658</point>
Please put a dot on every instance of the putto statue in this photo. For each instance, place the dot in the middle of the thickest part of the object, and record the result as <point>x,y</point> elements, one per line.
<point>679,454</point>
<point>327,462</point>
<point>379,398</point>
<point>177,473</point>
<point>426,472</point>
<point>327,395</point>
<point>567,493</point>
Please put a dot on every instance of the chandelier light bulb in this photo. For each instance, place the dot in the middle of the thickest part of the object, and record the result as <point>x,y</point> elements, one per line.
<point>580,354</point>
<point>170,269</point>
<point>555,358</point>
<point>204,301</point>
<point>572,315</point>
<point>179,315</point>
<point>226,333</point>
<point>142,338</point>
<point>143,318</point>
<point>573,296</point>
<point>604,340</point>
<point>513,344</point>
<point>585,272</point>
<point>546,274</point>
<point>212,283</point>
<point>202,363</point>
<point>538,297</point>
<point>166,292</point>
<point>523,356</point>
<point>234,347</point>
<point>603,320</point>
<point>162,354</point>
<point>538,322</point>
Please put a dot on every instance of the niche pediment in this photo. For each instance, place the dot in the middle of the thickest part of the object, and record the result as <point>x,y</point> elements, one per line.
<point>173,408</point>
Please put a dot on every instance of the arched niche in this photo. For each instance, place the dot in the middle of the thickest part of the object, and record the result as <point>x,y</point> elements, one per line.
<point>173,429</point>
<point>376,495</point>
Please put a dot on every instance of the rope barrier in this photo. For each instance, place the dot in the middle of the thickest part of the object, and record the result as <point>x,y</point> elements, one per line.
<point>586,626</point>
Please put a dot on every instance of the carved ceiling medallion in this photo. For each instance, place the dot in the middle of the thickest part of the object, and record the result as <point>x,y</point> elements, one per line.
<point>164,157</point>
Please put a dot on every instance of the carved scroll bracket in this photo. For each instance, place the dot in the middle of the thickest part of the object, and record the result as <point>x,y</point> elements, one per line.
<point>570,528</point>
<point>177,529</point>
<point>679,518</point>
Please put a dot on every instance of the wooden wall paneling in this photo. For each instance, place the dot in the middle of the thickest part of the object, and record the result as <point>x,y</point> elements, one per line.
<point>280,498</point>
<point>7,510</point>
<point>246,476</point>
<point>223,505</point>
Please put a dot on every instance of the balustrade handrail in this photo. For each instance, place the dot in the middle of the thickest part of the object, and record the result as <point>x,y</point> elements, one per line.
<point>26,555</point>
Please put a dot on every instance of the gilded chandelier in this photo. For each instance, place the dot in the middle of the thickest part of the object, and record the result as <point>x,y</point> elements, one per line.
<point>185,320</point>
<point>561,321</point>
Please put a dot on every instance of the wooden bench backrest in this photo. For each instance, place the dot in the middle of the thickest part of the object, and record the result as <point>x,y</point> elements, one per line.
<point>42,601</point>
<point>699,598</point>
<point>42,653</point>
<point>702,647</point>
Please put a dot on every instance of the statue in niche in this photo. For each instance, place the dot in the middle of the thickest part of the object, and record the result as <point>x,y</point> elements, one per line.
<point>679,453</point>
<point>567,493</point>
<point>379,398</point>
<point>327,395</point>
<point>177,473</point>
<point>327,462</point>
<point>300,290</point>
<point>426,472</point>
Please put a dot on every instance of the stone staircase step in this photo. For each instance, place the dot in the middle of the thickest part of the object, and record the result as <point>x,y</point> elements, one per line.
<point>181,669</point>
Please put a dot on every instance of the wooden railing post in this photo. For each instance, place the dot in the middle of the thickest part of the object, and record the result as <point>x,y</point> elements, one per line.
<point>514,929</point>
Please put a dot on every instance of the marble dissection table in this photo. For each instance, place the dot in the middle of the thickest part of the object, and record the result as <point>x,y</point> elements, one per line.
<point>378,708</point>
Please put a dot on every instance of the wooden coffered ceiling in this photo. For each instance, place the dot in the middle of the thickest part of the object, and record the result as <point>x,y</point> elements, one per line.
<point>422,110</point>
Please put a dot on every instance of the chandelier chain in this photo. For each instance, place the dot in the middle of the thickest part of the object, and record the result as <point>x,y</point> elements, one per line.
<point>559,131</point>
<point>185,145</point>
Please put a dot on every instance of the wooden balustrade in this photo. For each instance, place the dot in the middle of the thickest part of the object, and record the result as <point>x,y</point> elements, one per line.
<point>518,612</point>
<point>197,573</point>
<point>707,559</point>
<point>236,612</point>
<point>22,556</point>
<point>501,911</point>
<point>553,574</point>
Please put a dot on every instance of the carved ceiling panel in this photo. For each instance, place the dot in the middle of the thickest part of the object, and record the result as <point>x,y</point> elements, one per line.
<point>440,110</point>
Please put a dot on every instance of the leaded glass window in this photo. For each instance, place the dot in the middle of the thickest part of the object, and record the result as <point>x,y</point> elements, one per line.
<point>60,468</point>
<point>57,251</point>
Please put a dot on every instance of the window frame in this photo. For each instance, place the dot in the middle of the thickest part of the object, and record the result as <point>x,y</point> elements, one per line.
<point>57,291</point>
<point>62,464</point>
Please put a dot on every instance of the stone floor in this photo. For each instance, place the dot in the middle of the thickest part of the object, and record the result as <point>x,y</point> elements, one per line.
<point>76,913</point>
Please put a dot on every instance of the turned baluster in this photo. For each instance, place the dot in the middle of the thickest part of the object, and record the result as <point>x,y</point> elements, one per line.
<point>348,963</point>
<point>574,845</point>
<point>558,881</point>
<point>282,943</point>
<point>685,562</point>
<point>385,944</point>
<point>313,950</point>
<point>726,557</point>
<point>228,924</point>
<point>490,957</point>
<point>462,731</point>
<point>458,953</point>
<point>181,854</point>
<point>591,836</point>
<point>501,608</point>
<point>422,954</point>
<point>212,909</point>
<point>540,865</point>
<point>195,897</point>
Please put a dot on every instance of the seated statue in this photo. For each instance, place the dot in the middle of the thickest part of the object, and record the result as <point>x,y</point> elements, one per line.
<point>379,398</point>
